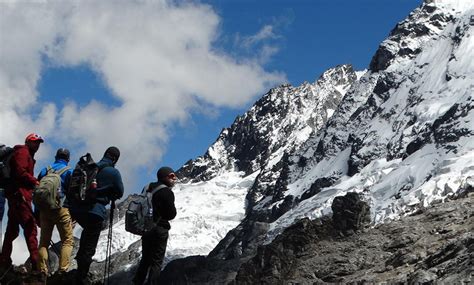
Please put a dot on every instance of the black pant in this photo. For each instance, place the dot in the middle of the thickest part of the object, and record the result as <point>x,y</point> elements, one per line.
<point>92,226</point>
<point>153,252</point>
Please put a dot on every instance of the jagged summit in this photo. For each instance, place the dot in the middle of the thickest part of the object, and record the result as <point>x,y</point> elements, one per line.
<point>282,118</point>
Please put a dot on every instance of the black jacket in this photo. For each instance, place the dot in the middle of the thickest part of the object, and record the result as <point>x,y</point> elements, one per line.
<point>109,187</point>
<point>164,209</point>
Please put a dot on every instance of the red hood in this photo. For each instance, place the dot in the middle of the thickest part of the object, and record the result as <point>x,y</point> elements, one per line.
<point>20,146</point>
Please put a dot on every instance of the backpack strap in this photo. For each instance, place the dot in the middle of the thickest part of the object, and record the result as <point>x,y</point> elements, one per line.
<point>149,195</point>
<point>58,172</point>
<point>62,170</point>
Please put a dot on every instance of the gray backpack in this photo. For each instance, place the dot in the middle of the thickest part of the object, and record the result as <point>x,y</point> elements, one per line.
<point>6,153</point>
<point>139,215</point>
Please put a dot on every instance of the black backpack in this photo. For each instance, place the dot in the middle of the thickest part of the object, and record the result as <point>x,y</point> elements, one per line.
<point>83,184</point>
<point>6,153</point>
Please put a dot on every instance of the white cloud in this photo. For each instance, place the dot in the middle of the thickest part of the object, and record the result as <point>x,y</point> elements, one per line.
<point>266,33</point>
<point>156,57</point>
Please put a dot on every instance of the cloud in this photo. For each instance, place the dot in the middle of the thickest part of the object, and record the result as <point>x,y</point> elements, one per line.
<point>263,45</point>
<point>157,58</point>
<point>264,34</point>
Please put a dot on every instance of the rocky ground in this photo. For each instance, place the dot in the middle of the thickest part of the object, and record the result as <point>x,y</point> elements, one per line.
<point>435,244</point>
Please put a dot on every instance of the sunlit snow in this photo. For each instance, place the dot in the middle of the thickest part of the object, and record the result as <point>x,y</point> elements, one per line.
<point>206,211</point>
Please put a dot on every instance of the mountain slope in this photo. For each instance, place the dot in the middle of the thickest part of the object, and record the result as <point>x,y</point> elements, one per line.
<point>399,134</point>
<point>398,139</point>
<point>433,244</point>
<point>211,198</point>
<point>283,118</point>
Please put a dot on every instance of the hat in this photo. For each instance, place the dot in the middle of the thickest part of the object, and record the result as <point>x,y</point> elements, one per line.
<point>163,172</point>
<point>112,153</point>
<point>63,153</point>
<point>34,137</point>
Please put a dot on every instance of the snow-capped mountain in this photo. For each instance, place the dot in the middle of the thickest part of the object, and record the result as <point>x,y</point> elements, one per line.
<point>403,133</point>
<point>399,134</point>
<point>211,198</point>
<point>282,119</point>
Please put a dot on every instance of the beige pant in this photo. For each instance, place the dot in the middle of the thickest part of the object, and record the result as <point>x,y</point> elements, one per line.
<point>62,220</point>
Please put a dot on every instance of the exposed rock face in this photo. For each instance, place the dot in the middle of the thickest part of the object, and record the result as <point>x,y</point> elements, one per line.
<point>432,245</point>
<point>282,119</point>
<point>400,42</point>
<point>349,213</point>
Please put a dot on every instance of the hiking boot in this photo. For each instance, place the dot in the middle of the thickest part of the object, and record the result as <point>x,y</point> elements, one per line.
<point>35,277</point>
<point>22,270</point>
<point>60,278</point>
<point>82,279</point>
<point>5,270</point>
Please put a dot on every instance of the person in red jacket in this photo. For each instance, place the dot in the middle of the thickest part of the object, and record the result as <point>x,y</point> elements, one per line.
<point>19,196</point>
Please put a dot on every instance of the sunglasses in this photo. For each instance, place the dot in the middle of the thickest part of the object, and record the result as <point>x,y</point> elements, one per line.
<point>173,177</point>
<point>34,137</point>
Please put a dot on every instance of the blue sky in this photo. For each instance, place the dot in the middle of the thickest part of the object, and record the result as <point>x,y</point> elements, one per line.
<point>313,35</point>
<point>161,79</point>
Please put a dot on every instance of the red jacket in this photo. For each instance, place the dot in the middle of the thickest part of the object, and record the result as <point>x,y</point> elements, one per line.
<point>22,167</point>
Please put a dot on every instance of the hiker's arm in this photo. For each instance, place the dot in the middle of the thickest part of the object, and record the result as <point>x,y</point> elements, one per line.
<point>42,173</point>
<point>166,207</point>
<point>20,166</point>
<point>114,190</point>
<point>67,180</point>
<point>118,189</point>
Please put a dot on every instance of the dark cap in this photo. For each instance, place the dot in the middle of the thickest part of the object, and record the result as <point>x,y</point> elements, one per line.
<point>163,172</point>
<point>63,153</point>
<point>112,153</point>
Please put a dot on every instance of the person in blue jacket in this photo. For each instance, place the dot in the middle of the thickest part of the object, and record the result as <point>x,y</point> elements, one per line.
<point>61,218</point>
<point>91,217</point>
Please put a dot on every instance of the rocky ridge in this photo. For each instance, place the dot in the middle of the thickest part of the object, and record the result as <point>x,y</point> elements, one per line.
<point>281,120</point>
<point>432,244</point>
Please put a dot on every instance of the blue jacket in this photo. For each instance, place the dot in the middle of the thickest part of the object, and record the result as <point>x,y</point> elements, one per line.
<point>65,177</point>
<point>109,187</point>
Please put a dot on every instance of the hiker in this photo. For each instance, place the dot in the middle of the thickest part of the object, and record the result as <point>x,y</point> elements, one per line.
<point>19,196</point>
<point>91,216</point>
<point>154,241</point>
<point>56,216</point>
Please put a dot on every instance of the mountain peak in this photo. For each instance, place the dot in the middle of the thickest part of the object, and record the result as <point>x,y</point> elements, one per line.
<point>283,112</point>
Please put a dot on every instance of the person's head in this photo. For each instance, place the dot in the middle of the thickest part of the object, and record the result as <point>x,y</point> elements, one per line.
<point>62,153</point>
<point>167,176</point>
<point>112,153</point>
<point>33,141</point>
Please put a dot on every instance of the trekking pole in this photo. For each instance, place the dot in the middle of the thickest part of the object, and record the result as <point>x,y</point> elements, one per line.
<point>53,246</point>
<point>109,245</point>
<point>2,210</point>
<point>112,208</point>
<point>1,235</point>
